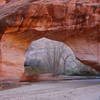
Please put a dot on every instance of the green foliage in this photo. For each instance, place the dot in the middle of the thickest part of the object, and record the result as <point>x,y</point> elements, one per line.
<point>71,72</point>
<point>98,74</point>
<point>35,70</point>
<point>80,73</point>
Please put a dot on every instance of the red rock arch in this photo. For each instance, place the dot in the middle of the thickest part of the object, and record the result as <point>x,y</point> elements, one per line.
<point>19,26</point>
<point>14,45</point>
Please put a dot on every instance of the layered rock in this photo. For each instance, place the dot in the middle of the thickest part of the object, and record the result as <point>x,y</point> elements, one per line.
<point>49,56</point>
<point>74,22</point>
<point>2,2</point>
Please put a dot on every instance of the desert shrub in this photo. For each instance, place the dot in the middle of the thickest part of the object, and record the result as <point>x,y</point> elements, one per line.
<point>80,73</point>
<point>35,70</point>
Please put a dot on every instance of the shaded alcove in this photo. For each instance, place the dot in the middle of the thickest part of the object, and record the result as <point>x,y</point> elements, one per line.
<point>46,56</point>
<point>14,46</point>
<point>20,20</point>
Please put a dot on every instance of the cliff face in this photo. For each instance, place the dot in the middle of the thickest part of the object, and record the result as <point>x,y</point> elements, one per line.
<point>74,22</point>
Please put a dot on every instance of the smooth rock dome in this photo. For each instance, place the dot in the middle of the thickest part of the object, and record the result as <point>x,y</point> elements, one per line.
<point>46,54</point>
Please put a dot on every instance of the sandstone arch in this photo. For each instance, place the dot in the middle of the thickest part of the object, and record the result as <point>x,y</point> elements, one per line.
<point>20,25</point>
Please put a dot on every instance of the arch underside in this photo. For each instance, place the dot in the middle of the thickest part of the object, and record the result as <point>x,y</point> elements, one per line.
<point>17,32</point>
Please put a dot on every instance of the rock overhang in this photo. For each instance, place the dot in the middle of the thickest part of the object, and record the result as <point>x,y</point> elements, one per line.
<point>25,21</point>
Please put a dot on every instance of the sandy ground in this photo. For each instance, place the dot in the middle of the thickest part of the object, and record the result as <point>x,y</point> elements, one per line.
<point>55,90</point>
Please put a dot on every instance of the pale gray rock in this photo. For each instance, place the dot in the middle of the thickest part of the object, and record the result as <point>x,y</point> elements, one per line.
<point>49,56</point>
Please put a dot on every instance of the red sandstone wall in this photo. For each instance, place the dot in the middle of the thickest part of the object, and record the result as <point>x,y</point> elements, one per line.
<point>76,24</point>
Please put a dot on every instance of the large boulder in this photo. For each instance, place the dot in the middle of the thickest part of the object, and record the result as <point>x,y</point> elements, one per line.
<point>49,56</point>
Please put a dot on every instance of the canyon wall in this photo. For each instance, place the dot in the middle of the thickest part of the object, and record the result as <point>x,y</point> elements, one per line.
<point>74,22</point>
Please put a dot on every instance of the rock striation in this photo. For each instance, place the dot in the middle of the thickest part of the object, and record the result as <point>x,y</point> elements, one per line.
<point>74,22</point>
<point>49,56</point>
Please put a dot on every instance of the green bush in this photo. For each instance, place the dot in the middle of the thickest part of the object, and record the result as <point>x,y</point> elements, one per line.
<point>36,70</point>
<point>80,73</point>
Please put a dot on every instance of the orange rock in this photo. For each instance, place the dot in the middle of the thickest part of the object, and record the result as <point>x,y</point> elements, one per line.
<point>2,2</point>
<point>21,22</point>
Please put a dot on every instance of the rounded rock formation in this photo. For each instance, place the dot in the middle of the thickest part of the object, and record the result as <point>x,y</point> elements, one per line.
<point>74,22</point>
<point>49,56</point>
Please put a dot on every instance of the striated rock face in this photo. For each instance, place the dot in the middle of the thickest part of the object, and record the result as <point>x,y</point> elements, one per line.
<point>74,22</point>
<point>49,56</point>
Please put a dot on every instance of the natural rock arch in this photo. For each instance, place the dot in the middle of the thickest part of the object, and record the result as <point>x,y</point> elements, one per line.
<point>13,47</point>
<point>21,25</point>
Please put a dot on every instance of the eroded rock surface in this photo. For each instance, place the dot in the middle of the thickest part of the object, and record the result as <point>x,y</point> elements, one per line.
<point>49,56</point>
<point>74,22</point>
